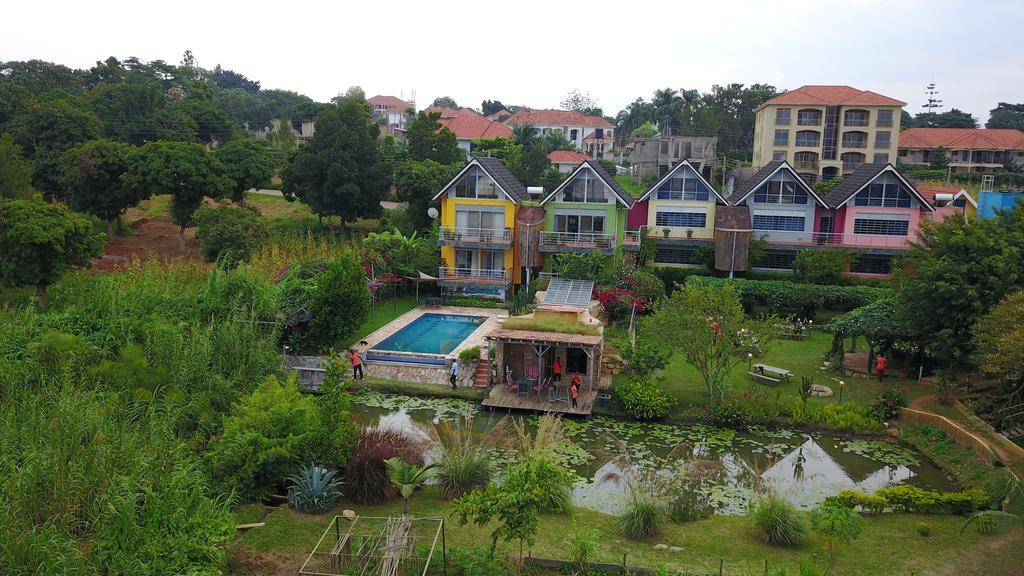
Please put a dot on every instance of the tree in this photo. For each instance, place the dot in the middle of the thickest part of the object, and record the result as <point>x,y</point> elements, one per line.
<point>838,524</point>
<point>323,303</point>
<point>489,107</point>
<point>248,163</point>
<point>15,171</point>
<point>46,130</point>
<point>579,101</point>
<point>950,119</point>
<point>999,349</point>
<point>340,172</point>
<point>645,130</point>
<point>428,140</point>
<point>407,478</point>
<point>822,266</point>
<point>446,102</point>
<point>212,123</point>
<point>229,234</point>
<point>534,163</point>
<point>129,110</point>
<point>938,159</point>
<point>417,182</point>
<point>228,79</point>
<point>706,324</point>
<point>14,99</point>
<point>906,120</point>
<point>184,170</point>
<point>40,241</point>
<point>1002,116</point>
<point>94,180</point>
<point>38,76</point>
<point>524,134</point>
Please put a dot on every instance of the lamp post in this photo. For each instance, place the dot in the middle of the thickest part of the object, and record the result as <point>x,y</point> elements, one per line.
<point>750,358</point>
<point>841,386</point>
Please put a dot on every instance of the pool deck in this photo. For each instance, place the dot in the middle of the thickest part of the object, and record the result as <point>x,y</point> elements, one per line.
<point>502,397</point>
<point>492,315</point>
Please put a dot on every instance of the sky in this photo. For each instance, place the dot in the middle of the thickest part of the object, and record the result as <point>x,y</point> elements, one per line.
<point>533,52</point>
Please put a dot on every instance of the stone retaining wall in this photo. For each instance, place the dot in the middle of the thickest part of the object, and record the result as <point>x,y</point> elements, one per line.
<point>960,435</point>
<point>420,373</point>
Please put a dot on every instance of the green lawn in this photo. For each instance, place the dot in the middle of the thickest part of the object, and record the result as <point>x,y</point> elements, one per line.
<point>383,312</point>
<point>888,545</point>
<point>625,180</point>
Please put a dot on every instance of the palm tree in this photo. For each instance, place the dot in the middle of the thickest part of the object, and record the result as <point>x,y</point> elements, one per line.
<point>407,478</point>
<point>524,134</point>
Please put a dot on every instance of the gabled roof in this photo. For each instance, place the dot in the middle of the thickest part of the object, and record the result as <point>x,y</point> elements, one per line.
<point>930,192</point>
<point>818,95</point>
<point>593,136</point>
<point>682,164</point>
<point>762,175</point>
<point>557,118</point>
<point>505,180</point>
<point>447,112</point>
<point>963,138</point>
<point>391,102</point>
<point>596,168</point>
<point>866,174</point>
<point>473,126</point>
<point>567,157</point>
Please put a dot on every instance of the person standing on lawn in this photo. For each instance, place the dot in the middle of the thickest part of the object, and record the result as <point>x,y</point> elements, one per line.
<point>357,363</point>
<point>454,372</point>
<point>880,365</point>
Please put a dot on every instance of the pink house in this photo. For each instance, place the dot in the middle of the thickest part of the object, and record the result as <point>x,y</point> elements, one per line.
<point>948,201</point>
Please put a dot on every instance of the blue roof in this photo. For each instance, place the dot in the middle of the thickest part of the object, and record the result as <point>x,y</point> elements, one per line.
<point>989,203</point>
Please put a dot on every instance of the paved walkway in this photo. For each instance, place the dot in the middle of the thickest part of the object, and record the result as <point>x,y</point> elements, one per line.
<point>385,204</point>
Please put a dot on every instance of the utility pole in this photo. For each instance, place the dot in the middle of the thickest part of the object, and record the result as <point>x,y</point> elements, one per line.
<point>933,102</point>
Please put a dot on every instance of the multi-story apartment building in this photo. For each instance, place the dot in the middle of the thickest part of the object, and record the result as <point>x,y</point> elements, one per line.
<point>655,156</point>
<point>827,131</point>
<point>592,135</point>
<point>967,149</point>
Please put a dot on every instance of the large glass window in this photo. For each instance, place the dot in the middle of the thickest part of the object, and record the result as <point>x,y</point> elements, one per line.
<point>678,255</point>
<point>585,187</point>
<point>683,185</point>
<point>855,139</point>
<point>475,183</point>
<point>851,160</point>
<point>881,158</point>
<point>805,160</point>
<point>880,227</point>
<point>468,220</point>
<point>781,138</point>
<point>781,189</point>
<point>681,219</point>
<point>884,192</point>
<point>808,117</point>
<point>783,223</point>
<point>782,116</point>
<point>807,139</point>
<point>884,118</point>
<point>777,260</point>
<point>576,224</point>
<point>492,260</point>
<point>855,117</point>
<point>778,156</point>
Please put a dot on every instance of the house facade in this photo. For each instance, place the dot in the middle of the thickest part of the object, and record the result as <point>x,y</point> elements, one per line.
<point>469,126</point>
<point>948,201</point>
<point>587,212</point>
<point>824,132</point>
<point>566,160</point>
<point>592,135</point>
<point>966,149</point>
<point>391,110</point>
<point>653,157</point>
<point>477,231</point>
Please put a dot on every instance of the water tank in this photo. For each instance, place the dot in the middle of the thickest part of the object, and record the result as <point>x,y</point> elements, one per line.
<point>535,191</point>
<point>943,199</point>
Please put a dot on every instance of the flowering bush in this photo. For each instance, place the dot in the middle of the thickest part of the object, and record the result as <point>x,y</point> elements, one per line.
<point>620,302</point>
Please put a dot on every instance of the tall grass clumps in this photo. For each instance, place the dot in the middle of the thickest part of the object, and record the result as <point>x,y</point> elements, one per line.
<point>366,474</point>
<point>466,457</point>
<point>778,521</point>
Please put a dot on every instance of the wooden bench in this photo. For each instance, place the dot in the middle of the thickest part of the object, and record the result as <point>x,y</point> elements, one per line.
<point>780,373</point>
<point>759,376</point>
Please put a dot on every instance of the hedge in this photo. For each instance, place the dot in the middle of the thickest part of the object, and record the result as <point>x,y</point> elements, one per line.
<point>779,295</point>
<point>911,499</point>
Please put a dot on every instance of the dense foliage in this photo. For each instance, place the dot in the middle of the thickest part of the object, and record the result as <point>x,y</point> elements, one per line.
<point>323,302</point>
<point>248,163</point>
<point>228,233</point>
<point>366,474</point>
<point>781,295</point>
<point>822,266</point>
<point>999,351</point>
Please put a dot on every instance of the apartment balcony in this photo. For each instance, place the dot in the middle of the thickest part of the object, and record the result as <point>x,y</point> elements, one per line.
<point>826,239</point>
<point>806,165</point>
<point>778,142</point>
<point>494,238</point>
<point>849,123</point>
<point>861,143</point>
<point>631,241</point>
<point>808,121</point>
<point>576,242</point>
<point>479,277</point>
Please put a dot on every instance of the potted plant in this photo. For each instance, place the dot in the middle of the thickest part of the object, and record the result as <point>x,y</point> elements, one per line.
<point>689,232</point>
<point>666,231</point>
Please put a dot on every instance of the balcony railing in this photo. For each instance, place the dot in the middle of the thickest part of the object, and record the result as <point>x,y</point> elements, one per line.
<point>806,164</point>
<point>632,238</point>
<point>835,239</point>
<point>861,143</point>
<point>807,143</point>
<point>855,122</point>
<point>782,121</point>
<point>593,240</point>
<point>808,121</point>
<point>883,143</point>
<point>495,276</point>
<point>780,142</point>
<point>477,235</point>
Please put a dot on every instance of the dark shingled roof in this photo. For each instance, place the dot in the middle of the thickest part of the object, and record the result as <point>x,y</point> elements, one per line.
<point>852,182</point>
<point>611,182</point>
<point>752,182</point>
<point>504,178</point>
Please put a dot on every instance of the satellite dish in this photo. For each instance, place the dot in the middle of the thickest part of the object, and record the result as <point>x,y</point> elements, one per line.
<point>432,212</point>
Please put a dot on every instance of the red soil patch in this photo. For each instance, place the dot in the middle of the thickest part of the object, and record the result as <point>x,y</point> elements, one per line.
<point>151,239</point>
<point>249,562</point>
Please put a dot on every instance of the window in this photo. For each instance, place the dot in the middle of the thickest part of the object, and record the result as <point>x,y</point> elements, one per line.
<point>851,160</point>
<point>805,160</point>
<point>881,158</point>
<point>872,264</point>
<point>855,118</point>
<point>467,220</point>
<point>777,260</point>
<point>586,187</point>
<point>678,255</point>
<point>475,184</point>
<point>855,140</point>
<point>884,118</point>
<point>782,223</point>
<point>781,189</point>
<point>492,260</point>
<point>681,219</point>
<point>880,227</point>
<point>807,138</point>
<point>579,224</point>
<point>684,185</point>
<point>778,156</point>
<point>883,139</point>
<point>808,117</point>
<point>573,134</point>
<point>781,138</point>
<point>885,192</point>
<point>782,116</point>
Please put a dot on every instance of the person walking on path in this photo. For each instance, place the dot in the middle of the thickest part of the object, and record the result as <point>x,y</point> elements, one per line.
<point>556,370</point>
<point>575,390</point>
<point>455,372</point>
<point>357,364</point>
<point>880,365</point>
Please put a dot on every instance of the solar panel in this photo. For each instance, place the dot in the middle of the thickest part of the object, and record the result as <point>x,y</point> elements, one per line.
<point>568,292</point>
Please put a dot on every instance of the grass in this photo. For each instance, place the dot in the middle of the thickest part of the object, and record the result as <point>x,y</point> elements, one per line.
<point>417,388</point>
<point>969,470</point>
<point>625,180</point>
<point>277,208</point>
<point>550,325</point>
<point>384,311</point>
<point>888,545</point>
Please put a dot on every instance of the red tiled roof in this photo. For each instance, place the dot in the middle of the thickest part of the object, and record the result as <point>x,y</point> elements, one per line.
<point>929,192</point>
<point>567,157</point>
<point>556,118</point>
<point>833,96</point>
<point>390,102</point>
<point>444,112</point>
<point>962,138</point>
<point>472,126</point>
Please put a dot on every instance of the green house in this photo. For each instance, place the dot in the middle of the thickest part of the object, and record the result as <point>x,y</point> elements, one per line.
<point>587,213</point>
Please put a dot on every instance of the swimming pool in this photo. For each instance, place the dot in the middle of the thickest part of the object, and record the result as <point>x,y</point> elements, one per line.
<point>432,334</point>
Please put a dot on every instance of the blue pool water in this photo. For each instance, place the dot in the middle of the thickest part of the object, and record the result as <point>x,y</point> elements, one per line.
<point>432,334</point>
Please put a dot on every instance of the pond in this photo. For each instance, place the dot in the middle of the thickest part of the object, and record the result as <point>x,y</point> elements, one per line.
<point>803,467</point>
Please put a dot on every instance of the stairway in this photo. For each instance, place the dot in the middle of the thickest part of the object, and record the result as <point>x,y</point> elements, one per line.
<point>483,371</point>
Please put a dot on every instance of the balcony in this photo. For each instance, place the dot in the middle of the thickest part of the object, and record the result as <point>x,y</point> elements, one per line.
<point>631,241</point>
<point>475,237</point>
<point>452,277</point>
<point>836,239</point>
<point>576,241</point>
<point>805,121</point>
<point>780,142</point>
<point>806,165</point>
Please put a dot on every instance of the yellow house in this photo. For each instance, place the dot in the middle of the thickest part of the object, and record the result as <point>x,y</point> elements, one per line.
<point>477,232</point>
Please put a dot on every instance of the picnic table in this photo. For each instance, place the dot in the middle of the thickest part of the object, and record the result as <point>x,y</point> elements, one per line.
<point>523,385</point>
<point>559,391</point>
<point>769,373</point>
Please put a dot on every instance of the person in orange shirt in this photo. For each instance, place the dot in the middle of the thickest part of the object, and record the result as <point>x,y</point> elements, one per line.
<point>880,365</point>
<point>575,389</point>
<point>357,363</point>
<point>556,370</point>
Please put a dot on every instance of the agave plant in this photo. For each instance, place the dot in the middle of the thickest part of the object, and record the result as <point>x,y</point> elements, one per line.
<point>314,489</point>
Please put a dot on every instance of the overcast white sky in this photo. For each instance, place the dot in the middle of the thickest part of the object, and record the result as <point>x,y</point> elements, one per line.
<point>533,52</point>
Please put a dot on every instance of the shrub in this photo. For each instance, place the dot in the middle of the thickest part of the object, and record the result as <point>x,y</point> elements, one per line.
<point>644,516</point>
<point>477,562</point>
<point>778,521</point>
<point>945,384</point>
<point>986,524</point>
<point>473,303</point>
<point>822,266</point>
<point>620,303</point>
<point>466,462</point>
<point>582,546</point>
<point>644,399</point>
<point>314,489</point>
<point>470,355</point>
<point>838,525</point>
<point>780,295</point>
<point>887,407</point>
<point>923,530</point>
<point>907,498</point>
<point>849,417</point>
<point>366,475</point>
<point>323,303</point>
<point>731,413</point>
<point>852,499</point>
<point>229,233</point>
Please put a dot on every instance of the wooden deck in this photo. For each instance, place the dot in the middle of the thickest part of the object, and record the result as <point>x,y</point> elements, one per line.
<point>502,397</point>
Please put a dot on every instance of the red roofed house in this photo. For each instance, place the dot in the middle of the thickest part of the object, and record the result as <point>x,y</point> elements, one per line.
<point>567,160</point>
<point>591,135</point>
<point>967,149</point>
<point>392,110</point>
<point>826,131</point>
<point>949,201</point>
<point>468,126</point>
